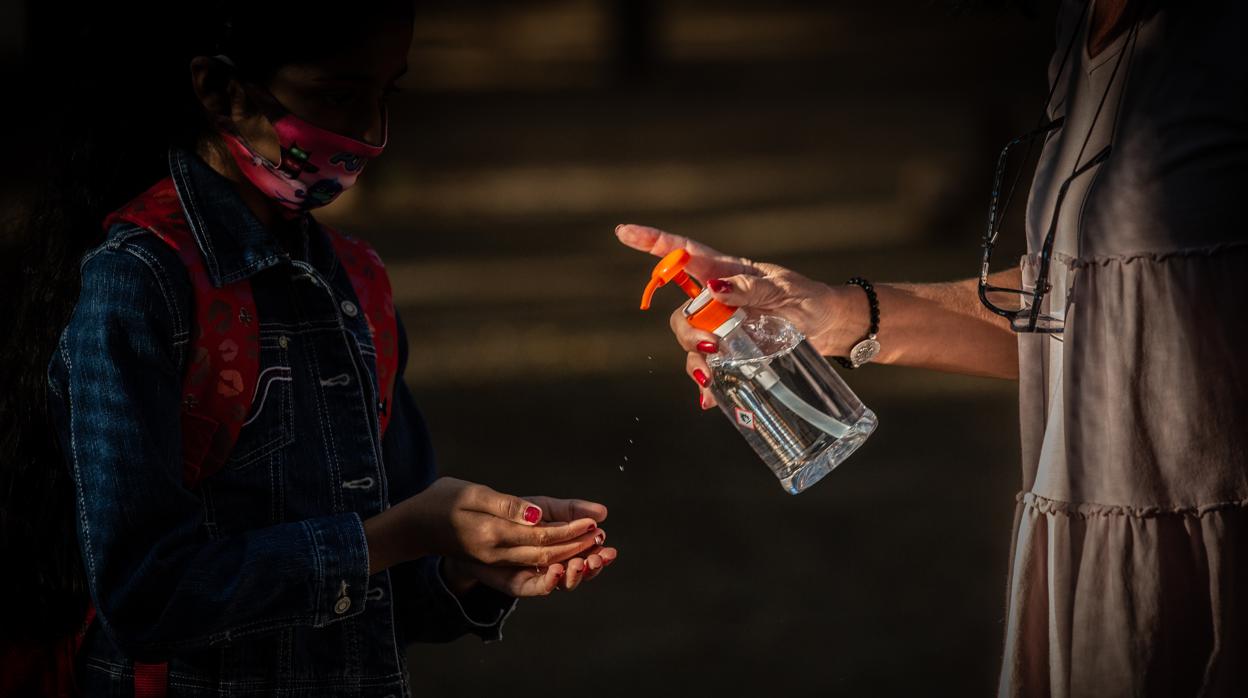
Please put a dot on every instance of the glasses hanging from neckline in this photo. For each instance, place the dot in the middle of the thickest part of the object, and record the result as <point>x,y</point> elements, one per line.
<point>1025,307</point>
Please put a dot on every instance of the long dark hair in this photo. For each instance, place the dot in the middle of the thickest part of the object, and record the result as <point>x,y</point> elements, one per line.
<point>112,90</point>
<point>99,155</point>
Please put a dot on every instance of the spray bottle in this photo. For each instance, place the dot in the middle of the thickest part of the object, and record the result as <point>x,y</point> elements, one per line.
<point>777,390</point>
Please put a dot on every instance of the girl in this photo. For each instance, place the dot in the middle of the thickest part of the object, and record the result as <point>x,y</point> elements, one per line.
<point>252,487</point>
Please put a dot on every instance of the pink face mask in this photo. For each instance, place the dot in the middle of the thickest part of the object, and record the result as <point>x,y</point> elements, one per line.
<point>316,166</point>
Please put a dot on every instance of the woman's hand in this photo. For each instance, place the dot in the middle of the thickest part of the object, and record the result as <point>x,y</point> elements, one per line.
<point>828,316</point>
<point>940,326</point>
<point>461,519</point>
<point>461,575</point>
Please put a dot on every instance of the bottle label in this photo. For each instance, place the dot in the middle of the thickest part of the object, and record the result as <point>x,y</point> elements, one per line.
<point>745,418</point>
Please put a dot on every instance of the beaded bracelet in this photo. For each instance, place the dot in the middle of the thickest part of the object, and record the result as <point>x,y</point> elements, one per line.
<point>868,348</point>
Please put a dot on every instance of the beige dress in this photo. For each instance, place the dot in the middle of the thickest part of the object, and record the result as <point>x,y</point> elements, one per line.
<point>1129,574</point>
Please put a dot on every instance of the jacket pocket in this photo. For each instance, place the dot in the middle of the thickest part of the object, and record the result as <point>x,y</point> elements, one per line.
<point>269,426</point>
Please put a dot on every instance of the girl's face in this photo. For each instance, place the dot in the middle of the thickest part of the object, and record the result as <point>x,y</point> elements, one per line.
<point>344,92</point>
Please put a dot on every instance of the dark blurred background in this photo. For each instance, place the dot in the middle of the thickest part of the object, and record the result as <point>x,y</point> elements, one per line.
<point>838,138</point>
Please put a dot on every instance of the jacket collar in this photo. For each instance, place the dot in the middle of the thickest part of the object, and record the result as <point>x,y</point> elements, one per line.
<point>234,243</point>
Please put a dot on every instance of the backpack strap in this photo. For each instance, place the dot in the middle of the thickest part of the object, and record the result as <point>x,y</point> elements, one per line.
<point>372,287</point>
<point>220,381</point>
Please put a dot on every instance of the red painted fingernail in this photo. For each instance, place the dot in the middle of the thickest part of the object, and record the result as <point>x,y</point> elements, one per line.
<point>532,515</point>
<point>701,378</point>
<point>719,285</point>
<point>707,347</point>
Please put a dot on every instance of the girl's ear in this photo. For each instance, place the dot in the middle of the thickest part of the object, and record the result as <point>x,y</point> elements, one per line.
<point>215,88</point>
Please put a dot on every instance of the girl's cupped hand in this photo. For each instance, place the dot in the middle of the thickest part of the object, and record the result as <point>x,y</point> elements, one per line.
<point>464,520</point>
<point>566,574</point>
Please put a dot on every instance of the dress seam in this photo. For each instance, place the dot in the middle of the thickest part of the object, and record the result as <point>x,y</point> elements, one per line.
<point>1090,509</point>
<point>1206,251</point>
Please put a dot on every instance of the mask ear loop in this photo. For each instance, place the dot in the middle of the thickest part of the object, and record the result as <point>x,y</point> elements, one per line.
<point>268,106</point>
<point>267,103</point>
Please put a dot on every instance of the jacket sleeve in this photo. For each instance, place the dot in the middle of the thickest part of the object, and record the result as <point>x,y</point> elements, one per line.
<point>425,610</point>
<point>160,585</point>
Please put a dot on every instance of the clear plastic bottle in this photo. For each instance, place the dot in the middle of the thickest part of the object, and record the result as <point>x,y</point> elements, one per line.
<point>781,395</point>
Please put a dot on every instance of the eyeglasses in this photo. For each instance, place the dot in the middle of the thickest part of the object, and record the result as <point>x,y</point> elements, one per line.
<point>1025,307</point>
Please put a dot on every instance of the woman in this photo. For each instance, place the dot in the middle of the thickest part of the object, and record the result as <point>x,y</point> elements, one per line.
<point>1130,537</point>
<point>321,545</point>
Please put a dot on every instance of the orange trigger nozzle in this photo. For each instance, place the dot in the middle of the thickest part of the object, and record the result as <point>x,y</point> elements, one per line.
<point>649,293</point>
<point>670,269</point>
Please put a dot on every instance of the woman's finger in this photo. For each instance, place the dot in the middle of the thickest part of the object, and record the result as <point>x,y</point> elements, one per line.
<point>745,290</point>
<point>569,509</point>
<point>689,337</point>
<point>700,373</point>
<point>698,370</point>
<point>504,506</point>
<point>704,262</point>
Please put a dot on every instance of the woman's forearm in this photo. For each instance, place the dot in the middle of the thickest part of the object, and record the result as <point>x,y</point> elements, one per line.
<point>940,326</point>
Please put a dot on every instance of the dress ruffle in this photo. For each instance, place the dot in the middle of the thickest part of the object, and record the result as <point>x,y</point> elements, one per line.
<point>1117,601</point>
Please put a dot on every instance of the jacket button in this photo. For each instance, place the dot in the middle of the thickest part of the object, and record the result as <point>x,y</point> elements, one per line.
<point>343,605</point>
<point>349,309</point>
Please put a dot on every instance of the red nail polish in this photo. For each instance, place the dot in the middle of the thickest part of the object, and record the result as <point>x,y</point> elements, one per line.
<point>701,378</point>
<point>719,286</point>
<point>702,401</point>
<point>707,347</point>
<point>532,515</point>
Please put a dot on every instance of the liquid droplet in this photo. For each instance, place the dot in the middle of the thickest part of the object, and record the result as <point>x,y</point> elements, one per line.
<point>621,468</point>
<point>636,419</point>
<point>625,459</point>
<point>630,441</point>
<point>649,358</point>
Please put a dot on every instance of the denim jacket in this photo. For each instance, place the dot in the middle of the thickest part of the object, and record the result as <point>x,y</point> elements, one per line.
<point>255,582</point>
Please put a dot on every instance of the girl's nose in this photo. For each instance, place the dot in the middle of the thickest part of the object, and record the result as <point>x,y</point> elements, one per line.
<point>375,133</point>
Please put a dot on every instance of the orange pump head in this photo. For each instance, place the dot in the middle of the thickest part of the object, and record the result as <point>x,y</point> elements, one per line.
<point>710,315</point>
<point>670,268</point>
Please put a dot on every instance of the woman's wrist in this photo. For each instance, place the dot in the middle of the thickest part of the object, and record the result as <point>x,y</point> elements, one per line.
<point>846,320</point>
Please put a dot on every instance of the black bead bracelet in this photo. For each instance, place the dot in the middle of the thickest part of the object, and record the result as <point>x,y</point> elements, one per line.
<point>868,347</point>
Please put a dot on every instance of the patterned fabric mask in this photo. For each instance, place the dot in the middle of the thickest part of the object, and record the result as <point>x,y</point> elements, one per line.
<point>316,166</point>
